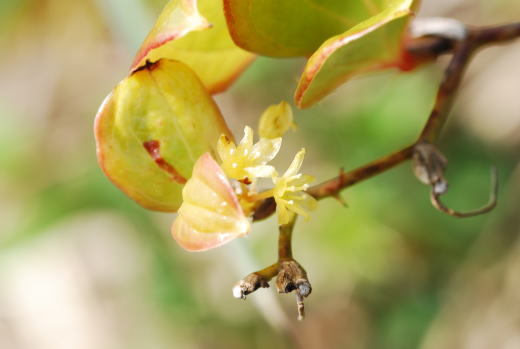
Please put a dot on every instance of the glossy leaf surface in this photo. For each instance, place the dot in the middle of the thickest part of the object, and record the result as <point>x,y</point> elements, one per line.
<point>200,40</point>
<point>294,27</point>
<point>178,18</point>
<point>152,129</point>
<point>210,215</point>
<point>373,44</point>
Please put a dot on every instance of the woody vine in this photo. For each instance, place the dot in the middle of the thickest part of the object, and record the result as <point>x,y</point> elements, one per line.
<point>161,138</point>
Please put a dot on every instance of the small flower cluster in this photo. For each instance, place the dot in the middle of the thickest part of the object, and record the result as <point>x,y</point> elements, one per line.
<point>247,162</point>
<point>222,207</point>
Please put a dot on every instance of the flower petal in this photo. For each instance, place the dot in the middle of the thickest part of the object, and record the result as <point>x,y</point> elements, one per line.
<point>225,147</point>
<point>301,203</point>
<point>262,171</point>
<point>305,200</point>
<point>284,215</point>
<point>301,182</point>
<point>265,150</point>
<point>194,241</point>
<point>239,162</point>
<point>247,140</point>
<point>210,214</point>
<point>210,220</point>
<point>276,120</point>
<point>289,191</point>
<point>296,164</point>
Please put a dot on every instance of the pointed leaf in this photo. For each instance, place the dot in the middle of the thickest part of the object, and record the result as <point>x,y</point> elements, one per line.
<point>151,130</point>
<point>286,28</point>
<point>210,215</point>
<point>373,44</point>
<point>181,33</point>
<point>178,18</point>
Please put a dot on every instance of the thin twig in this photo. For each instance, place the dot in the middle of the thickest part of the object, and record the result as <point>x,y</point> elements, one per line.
<point>347,179</point>
<point>290,274</point>
<point>436,200</point>
<point>429,166</point>
<point>428,48</point>
<point>284,240</point>
<point>495,34</point>
<point>423,49</point>
<point>269,272</point>
<point>332,187</point>
<point>447,91</point>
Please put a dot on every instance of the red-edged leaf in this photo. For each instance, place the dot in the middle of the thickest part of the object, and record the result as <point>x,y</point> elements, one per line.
<point>178,18</point>
<point>198,39</point>
<point>287,28</point>
<point>152,129</point>
<point>375,43</point>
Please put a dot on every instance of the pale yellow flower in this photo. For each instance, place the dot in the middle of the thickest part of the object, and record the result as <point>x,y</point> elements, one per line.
<point>248,161</point>
<point>276,121</point>
<point>289,191</point>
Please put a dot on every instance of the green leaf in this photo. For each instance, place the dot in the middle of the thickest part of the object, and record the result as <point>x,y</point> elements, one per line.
<point>152,129</point>
<point>178,18</point>
<point>198,39</point>
<point>287,28</point>
<point>371,45</point>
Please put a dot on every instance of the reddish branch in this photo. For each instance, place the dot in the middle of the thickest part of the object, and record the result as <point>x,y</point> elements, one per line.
<point>495,34</point>
<point>447,91</point>
<point>463,51</point>
<point>424,49</point>
<point>429,163</point>
<point>347,179</point>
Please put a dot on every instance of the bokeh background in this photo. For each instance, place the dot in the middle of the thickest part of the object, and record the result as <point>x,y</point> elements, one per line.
<point>82,266</point>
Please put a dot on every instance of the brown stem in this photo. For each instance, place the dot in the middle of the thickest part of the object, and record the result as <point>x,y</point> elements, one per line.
<point>269,272</point>
<point>262,277</point>
<point>425,48</point>
<point>264,210</point>
<point>447,90</point>
<point>436,200</point>
<point>284,241</point>
<point>428,48</point>
<point>495,34</point>
<point>290,275</point>
<point>347,179</point>
<point>463,50</point>
<point>332,187</point>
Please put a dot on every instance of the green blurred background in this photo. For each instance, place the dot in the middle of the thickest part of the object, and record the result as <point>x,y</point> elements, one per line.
<point>82,266</point>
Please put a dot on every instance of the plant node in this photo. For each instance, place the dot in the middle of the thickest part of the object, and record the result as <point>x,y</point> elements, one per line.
<point>292,277</point>
<point>429,165</point>
<point>249,284</point>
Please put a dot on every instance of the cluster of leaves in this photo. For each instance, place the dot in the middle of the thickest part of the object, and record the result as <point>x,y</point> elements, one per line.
<point>159,132</point>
